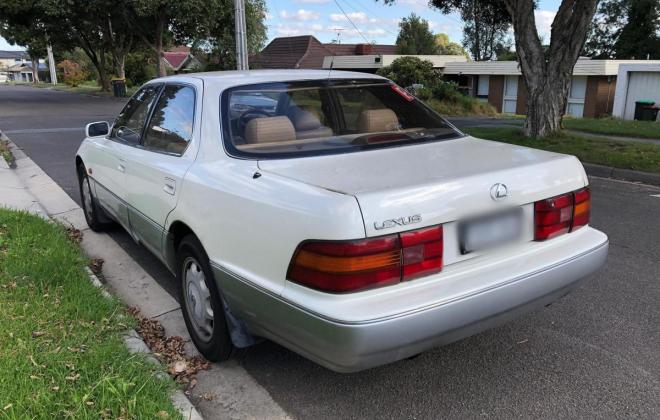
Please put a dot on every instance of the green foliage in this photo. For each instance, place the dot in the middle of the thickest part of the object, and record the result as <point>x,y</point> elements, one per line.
<point>415,37</point>
<point>62,350</point>
<point>140,67</point>
<point>640,37</point>
<point>625,29</point>
<point>406,71</point>
<point>446,47</point>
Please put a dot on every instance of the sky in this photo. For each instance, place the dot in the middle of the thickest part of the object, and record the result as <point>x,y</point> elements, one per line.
<point>375,22</point>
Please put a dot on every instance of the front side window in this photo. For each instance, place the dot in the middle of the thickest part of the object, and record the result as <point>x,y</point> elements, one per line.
<point>291,119</point>
<point>171,125</point>
<point>130,122</point>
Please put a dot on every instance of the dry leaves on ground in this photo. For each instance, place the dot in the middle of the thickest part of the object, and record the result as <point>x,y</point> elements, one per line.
<point>169,350</point>
<point>74,235</point>
<point>96,265</point>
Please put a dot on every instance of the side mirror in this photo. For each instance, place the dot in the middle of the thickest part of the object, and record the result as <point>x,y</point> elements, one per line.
<point>97,129</point>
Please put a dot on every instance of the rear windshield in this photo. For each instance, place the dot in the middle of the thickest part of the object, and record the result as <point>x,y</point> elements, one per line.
<point>292,119</point>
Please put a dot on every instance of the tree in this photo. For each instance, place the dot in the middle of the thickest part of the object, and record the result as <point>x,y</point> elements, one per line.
<point>547,73</point>
<point>446,47</point>
<point>407,71</point>
<point>220,45</point>
<point>486,25</point>
<point>415,37</point>
<point>605,29</point>
<point>639,37</point>
<point>33,40</point>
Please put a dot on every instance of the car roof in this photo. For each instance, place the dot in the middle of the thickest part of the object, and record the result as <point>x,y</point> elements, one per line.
<point>227,79</point>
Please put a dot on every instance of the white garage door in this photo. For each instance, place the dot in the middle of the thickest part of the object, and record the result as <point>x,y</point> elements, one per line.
<point>641,85</point>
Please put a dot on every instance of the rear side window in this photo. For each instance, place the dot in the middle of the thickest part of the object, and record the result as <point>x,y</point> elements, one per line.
<point>307,118</point>
<point>130,122</point>
<point>171,125</point>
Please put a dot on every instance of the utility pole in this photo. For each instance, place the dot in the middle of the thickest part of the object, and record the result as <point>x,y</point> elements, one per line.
<point>51,65</point>
<point>241,36</point>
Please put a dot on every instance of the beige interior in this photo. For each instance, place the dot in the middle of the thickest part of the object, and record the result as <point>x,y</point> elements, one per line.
<point>307,123</point>
<point>269,130</point>
<point>376,120</point>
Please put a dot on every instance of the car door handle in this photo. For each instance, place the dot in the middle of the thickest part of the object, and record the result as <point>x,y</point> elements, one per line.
<point>170,186</point>
<point>121,167</point>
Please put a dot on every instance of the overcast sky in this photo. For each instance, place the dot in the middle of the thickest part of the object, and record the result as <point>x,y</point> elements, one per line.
<point>375,22</point>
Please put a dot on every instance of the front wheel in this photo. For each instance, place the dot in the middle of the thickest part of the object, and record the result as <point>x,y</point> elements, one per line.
<point>201,304</point>
<point>89,206</point>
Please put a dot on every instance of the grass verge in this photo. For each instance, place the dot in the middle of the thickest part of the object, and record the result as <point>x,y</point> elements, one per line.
<point>626,155</point>
<point>5,152</point>
<point>62,351</point>
<point>614,127</point>
<point>89,88</point>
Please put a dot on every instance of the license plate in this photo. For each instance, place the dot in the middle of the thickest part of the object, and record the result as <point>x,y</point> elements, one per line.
<point>489,231</point>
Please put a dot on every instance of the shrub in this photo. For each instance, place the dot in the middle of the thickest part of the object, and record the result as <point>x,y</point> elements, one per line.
<point>73,73</point>
<point>407,71</point>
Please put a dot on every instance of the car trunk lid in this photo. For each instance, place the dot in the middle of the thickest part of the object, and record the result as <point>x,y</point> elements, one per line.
<point>402,188</point>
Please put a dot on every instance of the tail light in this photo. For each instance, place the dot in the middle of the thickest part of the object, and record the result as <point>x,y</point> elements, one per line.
<point>349,266</point>
<point>564,213</point>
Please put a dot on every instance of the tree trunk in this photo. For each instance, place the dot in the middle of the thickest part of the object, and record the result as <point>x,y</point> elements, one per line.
<point>547,76</point>
<point>35,70</point>
<point>120,60</point>
<point>158,47</point>
<point>104,81</point>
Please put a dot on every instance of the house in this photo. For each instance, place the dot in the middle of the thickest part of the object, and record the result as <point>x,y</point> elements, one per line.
<point>22,73</point>
<point>307,52</point>
<point>592,92</point>
<point>634,82</point>
<point>180,60</point>
<point>8,59</point>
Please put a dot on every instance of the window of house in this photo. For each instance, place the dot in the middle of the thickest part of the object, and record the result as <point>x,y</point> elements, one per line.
<point>130,122</point>
<point>482,86</point>
<point>171,125</point>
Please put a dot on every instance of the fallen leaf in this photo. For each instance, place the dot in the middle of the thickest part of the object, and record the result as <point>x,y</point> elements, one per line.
<point>179,366</point>
<point>73,378</point>
<point>162,415</point>
<point>7,407</point>
<point>55,388</point>
<point>37,334</point>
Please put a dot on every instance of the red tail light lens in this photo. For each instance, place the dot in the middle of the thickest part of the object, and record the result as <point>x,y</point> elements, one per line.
<point>564,213</point>
<point>348,266</point>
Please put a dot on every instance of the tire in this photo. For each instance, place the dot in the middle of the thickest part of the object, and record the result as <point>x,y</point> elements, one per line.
<point>199,293</point>
<point>91,210</point>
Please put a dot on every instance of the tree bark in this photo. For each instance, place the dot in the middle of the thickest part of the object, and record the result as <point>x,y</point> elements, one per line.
<point>35,70</point>
<point>104,80</point>
<point>547,76</point>
<point>158,47</point>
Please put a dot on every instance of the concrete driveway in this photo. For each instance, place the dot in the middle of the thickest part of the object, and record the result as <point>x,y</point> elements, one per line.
<point>593,354</point>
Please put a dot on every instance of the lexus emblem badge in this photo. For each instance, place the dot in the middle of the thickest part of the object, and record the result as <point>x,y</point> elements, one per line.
<point>499,192</point>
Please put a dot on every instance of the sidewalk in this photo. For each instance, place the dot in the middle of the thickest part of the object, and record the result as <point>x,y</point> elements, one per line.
<point>235,394</point>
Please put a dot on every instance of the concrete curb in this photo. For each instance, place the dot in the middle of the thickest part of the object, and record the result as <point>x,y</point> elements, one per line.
<point>135,344</point>
<point>624,174</point>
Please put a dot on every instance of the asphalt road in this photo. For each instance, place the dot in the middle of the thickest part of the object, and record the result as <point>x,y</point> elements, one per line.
<point>595,354</point>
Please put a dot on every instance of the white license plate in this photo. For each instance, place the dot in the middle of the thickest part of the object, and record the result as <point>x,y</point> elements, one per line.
<point>490,231</point>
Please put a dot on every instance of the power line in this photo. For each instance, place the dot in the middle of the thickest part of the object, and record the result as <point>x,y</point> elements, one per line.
<point>349,19</point>
<point>371,13</point>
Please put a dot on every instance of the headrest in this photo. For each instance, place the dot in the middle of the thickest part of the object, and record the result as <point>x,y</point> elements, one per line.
<point>269,130</point>
<point>375,120</point>
<point>304,119</point>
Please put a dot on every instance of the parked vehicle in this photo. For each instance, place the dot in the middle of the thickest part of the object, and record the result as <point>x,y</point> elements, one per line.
<point>348,222</point>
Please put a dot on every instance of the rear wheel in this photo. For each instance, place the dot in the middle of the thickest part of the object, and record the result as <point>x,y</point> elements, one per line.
<point>201,304</point>
<point>89,206</point>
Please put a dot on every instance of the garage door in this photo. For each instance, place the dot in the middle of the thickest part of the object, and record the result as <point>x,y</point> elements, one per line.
<point>641,85</point>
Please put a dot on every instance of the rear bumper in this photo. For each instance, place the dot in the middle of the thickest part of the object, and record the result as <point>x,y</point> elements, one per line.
<point>351,346</point>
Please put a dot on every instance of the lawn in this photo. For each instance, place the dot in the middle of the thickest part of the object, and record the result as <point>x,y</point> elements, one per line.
<point>614,127</point>
<point>88,87</point>
<point>60,339</point>
<point>627,155</point>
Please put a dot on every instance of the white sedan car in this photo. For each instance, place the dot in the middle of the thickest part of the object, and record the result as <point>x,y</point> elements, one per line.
<point>339,216</point>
